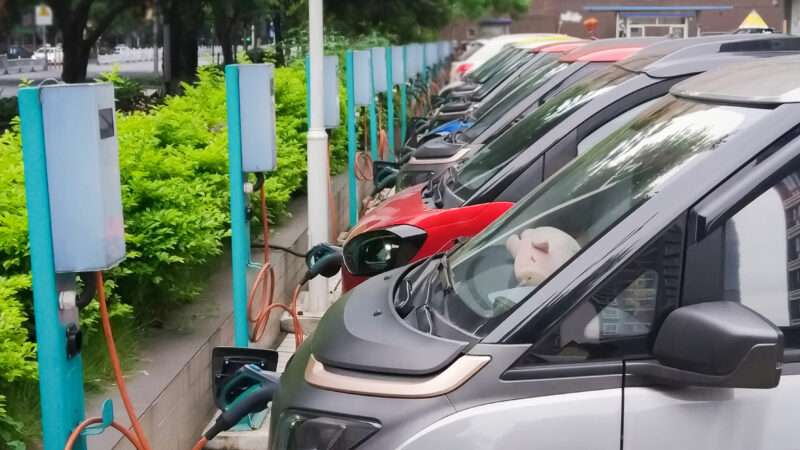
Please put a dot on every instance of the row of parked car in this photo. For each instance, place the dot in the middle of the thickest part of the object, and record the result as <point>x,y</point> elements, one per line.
<point>592,244</point>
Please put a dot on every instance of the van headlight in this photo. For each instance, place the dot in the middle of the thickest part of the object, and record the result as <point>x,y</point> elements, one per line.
<point>377,251</point>
<point>298,430</point>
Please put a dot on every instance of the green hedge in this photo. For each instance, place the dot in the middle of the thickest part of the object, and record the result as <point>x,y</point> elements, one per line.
<point>173,164</point>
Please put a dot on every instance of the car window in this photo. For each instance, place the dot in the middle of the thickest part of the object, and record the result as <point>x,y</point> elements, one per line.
<point>573,208</point>
<point>609,127</point>
<point>761,266</point>
<point>473,173</point>
<point>491,113</point>
<point>619,319</point>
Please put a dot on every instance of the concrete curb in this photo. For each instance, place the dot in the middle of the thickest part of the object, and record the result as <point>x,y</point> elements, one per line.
<point>171,385</point>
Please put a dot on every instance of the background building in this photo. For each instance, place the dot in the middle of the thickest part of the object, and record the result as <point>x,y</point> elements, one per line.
<point>642,17</point>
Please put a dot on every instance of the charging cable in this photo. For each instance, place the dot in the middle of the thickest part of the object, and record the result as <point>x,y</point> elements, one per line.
<point>264,287</point>
<point>137,438</point>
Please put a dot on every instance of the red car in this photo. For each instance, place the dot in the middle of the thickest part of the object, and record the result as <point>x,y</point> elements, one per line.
<point>412,225</point>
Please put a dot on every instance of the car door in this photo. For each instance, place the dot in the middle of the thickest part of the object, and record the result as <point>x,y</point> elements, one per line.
<point>750,254</point>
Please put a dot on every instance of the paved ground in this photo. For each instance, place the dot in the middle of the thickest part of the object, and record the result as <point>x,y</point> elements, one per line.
<point>9,83</point>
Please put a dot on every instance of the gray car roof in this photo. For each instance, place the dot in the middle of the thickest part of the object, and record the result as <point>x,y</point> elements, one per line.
<point>769,81</point>
<point>685,56</point>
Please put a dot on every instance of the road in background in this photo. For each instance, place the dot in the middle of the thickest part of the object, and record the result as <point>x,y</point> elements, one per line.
<point>9,84</point>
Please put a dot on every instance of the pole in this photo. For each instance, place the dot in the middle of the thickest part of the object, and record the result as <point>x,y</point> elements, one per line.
<point>390,103</point>
<point>60,377</point>
<point>373,117</point>
<point>403,97</point>
<point>352,139</point>
<point>240,242</point>
<point>318,172</point>
<point>155,38</point>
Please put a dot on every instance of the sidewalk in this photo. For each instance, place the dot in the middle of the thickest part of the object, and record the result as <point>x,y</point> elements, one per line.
<point>171,385</point>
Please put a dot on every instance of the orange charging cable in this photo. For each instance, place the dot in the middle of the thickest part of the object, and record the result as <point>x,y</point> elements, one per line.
<point>265,285</point>
<point>73,437</point>
<point>137,438</point>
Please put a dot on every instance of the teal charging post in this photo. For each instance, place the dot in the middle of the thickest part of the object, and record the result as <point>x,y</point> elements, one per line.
<point>60,376</point>
<point>389,102</point>
<point>404,97</point>
<point>351,137</point>
<point>372,111</point>
<point>240,228</point>
<point>249,94</point>
<point>68,134</point>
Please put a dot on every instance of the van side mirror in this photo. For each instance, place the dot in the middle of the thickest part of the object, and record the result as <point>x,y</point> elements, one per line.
<point>717,344</point>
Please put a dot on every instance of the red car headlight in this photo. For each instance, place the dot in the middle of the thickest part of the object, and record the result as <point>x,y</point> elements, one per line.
<point>377,251</point>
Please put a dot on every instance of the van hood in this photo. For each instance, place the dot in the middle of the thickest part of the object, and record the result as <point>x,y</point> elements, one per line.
<point>362,332</point>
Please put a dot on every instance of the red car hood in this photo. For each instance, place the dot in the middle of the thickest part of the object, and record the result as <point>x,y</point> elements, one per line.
<point>442,226</point>
<point>405,207</point>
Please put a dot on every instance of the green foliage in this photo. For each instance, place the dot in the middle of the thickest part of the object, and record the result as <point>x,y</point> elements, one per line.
<point>17,356</point>
<point>8,110</point>
<point>173,166</point>
<point>128,93</point>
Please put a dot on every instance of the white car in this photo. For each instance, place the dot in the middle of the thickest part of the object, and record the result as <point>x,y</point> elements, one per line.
<point>53,54</point>
<point>490,48</point>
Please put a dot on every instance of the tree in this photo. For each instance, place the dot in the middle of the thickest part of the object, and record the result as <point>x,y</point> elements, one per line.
<point>231,17</point>
<point>9,16</point>
<point>183,20</point>
<point>409,21</point>
<point>81,23</point>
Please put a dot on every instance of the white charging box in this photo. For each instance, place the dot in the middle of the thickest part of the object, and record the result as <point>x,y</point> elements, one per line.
<point>378,69</point>
<point>362,77</point>
<point>83,180</point>
<point>332,111</point>
<point>257,117</point>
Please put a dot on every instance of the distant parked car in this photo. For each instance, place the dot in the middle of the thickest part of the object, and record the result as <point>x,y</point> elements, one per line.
<point>53,54</point>
<point>119,49</point>
<point>18,53</point>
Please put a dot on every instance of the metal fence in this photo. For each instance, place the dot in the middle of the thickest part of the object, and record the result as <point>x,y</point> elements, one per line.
<point>129,55</point>
<point>11,66</point>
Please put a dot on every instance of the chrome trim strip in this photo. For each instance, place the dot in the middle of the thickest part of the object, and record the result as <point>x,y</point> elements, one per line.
<point>396,386</point>
<point>459,155</point>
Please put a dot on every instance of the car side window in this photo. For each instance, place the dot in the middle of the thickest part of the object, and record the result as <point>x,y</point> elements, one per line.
<point>611,126</point>
<point>761,265</point>
<point>618,320</point>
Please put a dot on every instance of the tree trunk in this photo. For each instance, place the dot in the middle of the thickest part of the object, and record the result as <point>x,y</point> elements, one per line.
<point>280,57</point>
<point>227,48</point>
<point>76,59</point>
<point>183,25</point>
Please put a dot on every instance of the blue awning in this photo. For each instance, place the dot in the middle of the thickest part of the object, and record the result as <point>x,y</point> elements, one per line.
<point>656,9</point>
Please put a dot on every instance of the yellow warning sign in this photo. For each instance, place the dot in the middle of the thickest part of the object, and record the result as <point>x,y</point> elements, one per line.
<point>753,21</point>
<point>44,15</point>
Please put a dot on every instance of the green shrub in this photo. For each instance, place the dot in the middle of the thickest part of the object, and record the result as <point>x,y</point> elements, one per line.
<point>17,356</point>
<point>174,174</point>
<point>128,93</point>
<point>8,110</point>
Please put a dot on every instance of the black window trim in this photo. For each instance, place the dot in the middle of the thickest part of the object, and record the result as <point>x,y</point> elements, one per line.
<point>742,187</point>
<point>707,217</point>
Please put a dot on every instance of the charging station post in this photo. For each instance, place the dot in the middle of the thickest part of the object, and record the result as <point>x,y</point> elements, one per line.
<point>403,95</point>
<point>371,108</point>
<point>250,103</point>
<point>352,183</point>
<point>389,101</point>
<point>74,206</point>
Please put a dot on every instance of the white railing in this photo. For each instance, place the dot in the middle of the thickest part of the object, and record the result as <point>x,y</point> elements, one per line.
<point>129,55</point>
<point>11,66</point>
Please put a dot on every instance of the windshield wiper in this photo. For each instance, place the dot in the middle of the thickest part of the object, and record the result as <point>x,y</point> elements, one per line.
<point>444,267</point>
<point>425,309</point>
